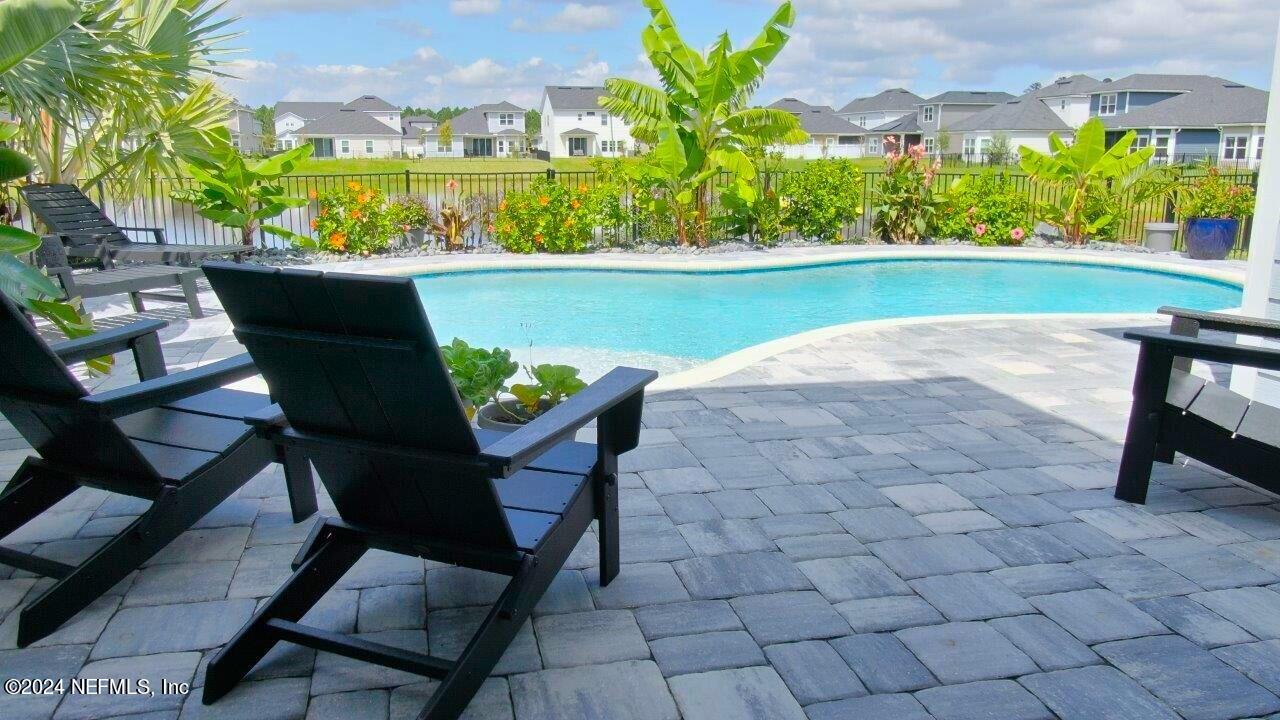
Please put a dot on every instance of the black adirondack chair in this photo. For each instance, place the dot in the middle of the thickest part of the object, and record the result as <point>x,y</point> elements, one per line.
<point>363,390</point>
<point>1175,411</point>
<point>89,233</point>
<point>178,440</point>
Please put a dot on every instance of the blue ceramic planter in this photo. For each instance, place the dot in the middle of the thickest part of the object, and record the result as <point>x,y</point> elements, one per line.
<point>1211,238</point>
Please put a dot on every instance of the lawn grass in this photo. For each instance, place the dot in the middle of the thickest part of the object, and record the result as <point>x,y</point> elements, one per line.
<point>363,166</point>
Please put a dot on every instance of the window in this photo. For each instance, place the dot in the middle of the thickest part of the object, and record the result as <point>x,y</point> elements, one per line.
<point>444,147</point>
<point>1236,147</point>
<point>970,147</point>
<point>235,142</point>
<point>1062,105</point>
<point>874,144</point>
<point>984,147</point>
<point>1161,143</point>
<point>368,147</point>
<point>862,120</point>
<point>927,113</point>
<point>1257,154</point>
<point>606,146</point>
<point>604,119</point>
<point>579,117</point>
<point>506,119</point>
<point>928,145</point>
<point>344,146</point>
<point>1107,104</point>
<point>1139,142</point>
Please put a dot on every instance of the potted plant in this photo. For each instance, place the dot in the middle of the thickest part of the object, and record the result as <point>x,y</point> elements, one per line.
<point>1212,206</point>
<point>480,375</point>
<point>551,385</point>
<point>413,215</point>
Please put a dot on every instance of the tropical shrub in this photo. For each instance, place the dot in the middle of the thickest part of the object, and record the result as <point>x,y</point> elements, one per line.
<point>451,223</point>
<point>700,123</point>
<point>237,195</point>
<point>904,203</point>
<point>410,212</point>
<point>1214,196</point>
<point>480,375</point>
<point>822,198</point>
<point>549,217</point>
<point>986,209</point>
<point>551,385</point>
<point>352,219</point>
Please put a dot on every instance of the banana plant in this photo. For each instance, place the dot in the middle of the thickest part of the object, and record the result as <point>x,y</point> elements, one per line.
<point>699,122</point>
<point>30,288</point>
<point>1085,171</point>
<point>237,195</point>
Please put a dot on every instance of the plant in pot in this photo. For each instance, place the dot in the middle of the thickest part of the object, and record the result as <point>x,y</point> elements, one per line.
<point>450,226</point>
<point>551,385</point>
<point>1212,206</point>
<point>480,375</point>
<point>413,215</point>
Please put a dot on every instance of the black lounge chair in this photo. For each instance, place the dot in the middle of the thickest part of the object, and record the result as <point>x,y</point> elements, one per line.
<point>178,440</point>
<point>88,233</point>
<point>373,406</point>
<point>1175,411</point>
<point>138,281</point>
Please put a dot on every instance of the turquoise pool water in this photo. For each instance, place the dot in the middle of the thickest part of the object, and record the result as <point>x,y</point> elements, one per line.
<point>696,316</point>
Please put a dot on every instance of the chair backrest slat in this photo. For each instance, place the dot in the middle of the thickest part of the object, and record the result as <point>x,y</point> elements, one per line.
<point>61,434</point>
<point>64,208</point>
<point>354,357</point>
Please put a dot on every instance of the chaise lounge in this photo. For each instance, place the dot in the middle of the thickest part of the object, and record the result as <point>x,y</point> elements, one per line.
<point>177,440</point>
<point>139,282</point>
<point>87,232</point>
<point>374,408</point>
<point>1177,412</point>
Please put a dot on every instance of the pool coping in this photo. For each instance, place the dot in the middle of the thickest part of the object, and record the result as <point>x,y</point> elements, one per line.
<point>1231,272</point>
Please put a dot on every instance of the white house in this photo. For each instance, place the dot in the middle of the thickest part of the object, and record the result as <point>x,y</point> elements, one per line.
<point>414,130</point>
<point>1024,122</point>
<point>939,113</point>
<point>367,127</point>
<point>883,107</point>
<point>1068,98</point>
<point>490,130</point>
<point>246,131</point>
<point>575,125</point>
<point>830,136</point>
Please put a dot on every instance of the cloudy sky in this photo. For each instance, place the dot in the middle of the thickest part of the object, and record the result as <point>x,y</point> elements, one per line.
<point>463,52</point>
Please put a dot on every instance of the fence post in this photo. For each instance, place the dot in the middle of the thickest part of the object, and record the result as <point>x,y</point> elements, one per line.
<point>1170,213</point>
<point>551,173</point>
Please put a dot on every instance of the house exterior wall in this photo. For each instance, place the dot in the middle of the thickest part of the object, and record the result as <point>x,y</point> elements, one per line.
<point>383,146</point>
<point>608,129</point>
<point>822,147</point>
<point>495,121</point>
<point>1036,140</point>
<point>1074,111</point>
<point>869,120</point>
<point>1198,143</point>
<point>1255,135</point>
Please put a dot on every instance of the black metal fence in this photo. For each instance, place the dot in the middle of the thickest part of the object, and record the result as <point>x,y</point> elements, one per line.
<point>482,192</point>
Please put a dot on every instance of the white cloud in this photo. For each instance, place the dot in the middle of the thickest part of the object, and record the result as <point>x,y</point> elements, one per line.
<point>474,7</point>
<point>270,7</point>
<point>572,18</point>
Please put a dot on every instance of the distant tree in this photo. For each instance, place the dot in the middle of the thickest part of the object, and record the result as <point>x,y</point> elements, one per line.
<point>944,142</point>
<point>532,127</point>
<point>266,117</point>
<point>1000,152</point>
<point>1032,87</point>
<point>446,133</point>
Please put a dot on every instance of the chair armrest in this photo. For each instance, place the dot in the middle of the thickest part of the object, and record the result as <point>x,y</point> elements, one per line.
<point>267,420</point>
<point>1210,350</point>
<point>155,392</point>
<point>106,342</point>
<point>158,233</point>
<point>525,444</point>
<point>1239,324</point>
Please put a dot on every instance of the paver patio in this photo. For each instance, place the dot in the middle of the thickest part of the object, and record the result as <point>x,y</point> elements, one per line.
<point>897,523</point>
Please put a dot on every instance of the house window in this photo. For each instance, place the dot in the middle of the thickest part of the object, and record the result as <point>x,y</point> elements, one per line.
<point>1235,147</point>
<point>928,145</point>
<point>579,117</point>
<point>604,119</point>
<point>506,119</point>
<point>1258,152</point>
<point>444,147</point>
<point>970,147</point>
<point>1161,143</point>
<point>984,147</point>
<point>862,120</point>
<point>368,147</point>
<point>235,142</point>
<point>927,113</point>
<point>874,145</point>
<point>1062,104</point>
<point>1107,104</point>
<point>344,146</point>
<point>1139,142</point>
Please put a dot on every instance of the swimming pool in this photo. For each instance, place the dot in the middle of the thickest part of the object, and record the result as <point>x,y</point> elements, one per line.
<point>674,320</point>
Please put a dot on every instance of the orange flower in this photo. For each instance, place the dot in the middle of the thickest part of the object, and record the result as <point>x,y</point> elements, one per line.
<point>576,204</point>
<point>582,188</point>
<point>490,227</point>
<point>314,223</point>
<point>313,194</point>
<point>544,200</point>
<point>502,205</point>
<point>323,212</point>
<point>353,185</point>
<point>568,222</point>
<point>355,214</point>
<point>338,241</point>
<point>451,186</point>
<point>537,238</point>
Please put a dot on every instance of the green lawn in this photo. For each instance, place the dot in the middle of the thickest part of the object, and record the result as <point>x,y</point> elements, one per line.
<point>359,166</point>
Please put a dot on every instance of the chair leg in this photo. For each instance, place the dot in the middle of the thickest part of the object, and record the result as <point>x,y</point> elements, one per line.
<point>136,299</point>
<point>1164,454</point>
<point>1150,386</point>
<point>299,481</point>
<point>29,493</point>
<point>334,556</point>
<point>192,294</point>
<point>607,517</point>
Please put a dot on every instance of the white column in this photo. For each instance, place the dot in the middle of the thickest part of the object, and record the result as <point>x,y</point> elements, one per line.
<point>1262,284</point>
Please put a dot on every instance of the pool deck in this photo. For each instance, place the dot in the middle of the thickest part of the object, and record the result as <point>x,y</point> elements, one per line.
<point>894,520</point>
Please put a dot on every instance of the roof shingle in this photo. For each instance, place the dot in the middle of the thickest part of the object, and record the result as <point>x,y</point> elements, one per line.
<point>575,97</point>
<point>891,100</point>
<point>347,122</point>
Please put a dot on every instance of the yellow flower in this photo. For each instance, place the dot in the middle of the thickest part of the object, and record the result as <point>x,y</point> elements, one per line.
<point>353,185</point>
<point>544,200</point>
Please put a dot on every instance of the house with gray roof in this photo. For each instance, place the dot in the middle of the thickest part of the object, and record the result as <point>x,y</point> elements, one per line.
<point>937,114</point>
<point>883,107</point>
<point>904,133</point>
<point>367,126</point>
<point>246,131</point>
<point>488,130</point>
<point>1026,121</point>
<point>1187,118</point>
<point>574,124</point>
<point>829,134</point>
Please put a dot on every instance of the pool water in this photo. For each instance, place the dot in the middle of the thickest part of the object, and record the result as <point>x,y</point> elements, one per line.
<point>677,319</point>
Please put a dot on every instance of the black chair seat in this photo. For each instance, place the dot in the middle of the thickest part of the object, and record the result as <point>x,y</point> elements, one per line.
<point>223,403</point>
<point>571,457</point>
<point>181,438</point>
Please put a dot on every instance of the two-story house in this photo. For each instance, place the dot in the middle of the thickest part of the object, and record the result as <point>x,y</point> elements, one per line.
<point>246,131</point>
<point>830,136</point>
<point>883,107</point>
<point>415,131</point>
<point>490,130</point>
<point>575,125</point>
<point>367,127</point>
<point>1187,118</point>
<point>1026,121</point>
<point>936,115</point>
<point>290,116</point>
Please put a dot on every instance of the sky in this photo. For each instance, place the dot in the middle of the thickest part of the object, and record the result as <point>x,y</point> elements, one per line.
<point>464,52</point>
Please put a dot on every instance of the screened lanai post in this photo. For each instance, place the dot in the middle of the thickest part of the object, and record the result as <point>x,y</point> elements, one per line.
<point>1262,283</point>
